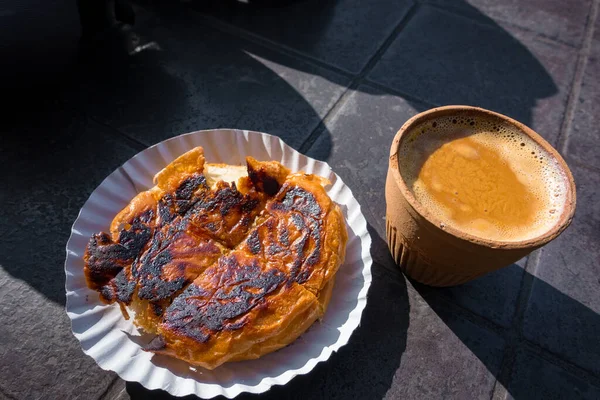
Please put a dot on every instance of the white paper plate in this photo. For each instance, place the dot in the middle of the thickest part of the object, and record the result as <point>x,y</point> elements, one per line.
<point>115,343</point>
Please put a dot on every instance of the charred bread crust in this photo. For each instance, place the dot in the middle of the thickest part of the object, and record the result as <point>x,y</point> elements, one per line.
<point>223,271</point>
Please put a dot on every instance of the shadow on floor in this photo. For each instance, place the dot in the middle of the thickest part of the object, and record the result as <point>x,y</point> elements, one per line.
<point>60,136</point>
<point>439,58</point>
<point>523,380</point>
<point>365,367</point>
<point>58,155</point>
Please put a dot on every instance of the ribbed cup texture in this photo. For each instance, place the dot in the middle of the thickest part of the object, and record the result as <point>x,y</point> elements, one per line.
<point>416,267</point>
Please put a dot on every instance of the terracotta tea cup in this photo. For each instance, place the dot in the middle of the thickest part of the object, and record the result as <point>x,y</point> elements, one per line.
<point>435,254</point>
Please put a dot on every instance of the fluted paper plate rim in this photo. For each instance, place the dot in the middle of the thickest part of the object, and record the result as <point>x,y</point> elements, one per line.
<point>111,329</point>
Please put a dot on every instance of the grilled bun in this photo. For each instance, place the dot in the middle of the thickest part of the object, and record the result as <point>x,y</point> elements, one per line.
<point>223,263</point>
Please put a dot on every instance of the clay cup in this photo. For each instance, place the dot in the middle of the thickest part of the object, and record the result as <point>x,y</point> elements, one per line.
<point>437,255</point>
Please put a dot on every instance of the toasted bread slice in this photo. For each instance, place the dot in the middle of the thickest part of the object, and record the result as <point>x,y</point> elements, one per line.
<point>223,262</point>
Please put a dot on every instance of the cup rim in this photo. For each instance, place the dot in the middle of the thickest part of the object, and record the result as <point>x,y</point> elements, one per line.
<point>570,201</point>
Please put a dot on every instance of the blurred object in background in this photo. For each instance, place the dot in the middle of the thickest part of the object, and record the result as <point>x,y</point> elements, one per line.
<point>99,15</point>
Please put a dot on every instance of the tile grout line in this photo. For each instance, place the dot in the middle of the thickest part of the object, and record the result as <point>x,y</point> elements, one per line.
<point>516,339</point>
<point>399,93</point>
<point>583,165</point>
<point>458,11</point>
<point>355,79</point>
<point>255,38</point>
<point>358,79</point>
<point>104,394</point>
<point>500,392</point>
<point>280,48</point>
<point>350,90</point>
<point>118,395</point>
<point>556,359</point>
<point>138,145</point>
<point>520,314</point>
<point>314,135</point>
<point>316,62</point>
<point>467,314</point>
<point>562,141</point>
<point>514,336</point>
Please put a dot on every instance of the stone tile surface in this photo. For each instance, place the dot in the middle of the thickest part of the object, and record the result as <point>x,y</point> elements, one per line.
<point>190,77</point>
<point>118,391</point>
<point>583,143</point>
<point>344,33</point>
<point>563,314</point>
<point>39,356</point>
<point>536,378</point>
<point>443,58</point>
<point>361,132</point>
<point>493,296</point>
<point>446,357</point>
<point>559,20</point>
<point>53,159</point>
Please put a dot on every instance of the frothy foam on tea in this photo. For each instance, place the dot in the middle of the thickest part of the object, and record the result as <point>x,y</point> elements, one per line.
<point>483,177</point>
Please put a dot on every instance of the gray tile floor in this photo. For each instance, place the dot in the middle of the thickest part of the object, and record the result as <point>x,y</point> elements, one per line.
<point>334,79</point>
